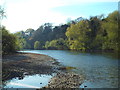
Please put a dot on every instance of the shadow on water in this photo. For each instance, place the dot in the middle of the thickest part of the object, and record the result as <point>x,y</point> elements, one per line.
<point>111,54</point>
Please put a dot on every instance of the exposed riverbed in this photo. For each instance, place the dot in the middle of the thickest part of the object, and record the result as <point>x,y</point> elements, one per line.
<point>100,69</point>
<point>27,70</point>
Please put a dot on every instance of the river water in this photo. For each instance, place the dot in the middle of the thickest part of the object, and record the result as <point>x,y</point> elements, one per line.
<point>100,69</point>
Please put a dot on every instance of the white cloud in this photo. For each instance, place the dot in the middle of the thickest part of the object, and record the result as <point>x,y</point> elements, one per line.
<point>23,14</point>
<point>23,85</point>
<point>32,14</point>
<point>1,2</point>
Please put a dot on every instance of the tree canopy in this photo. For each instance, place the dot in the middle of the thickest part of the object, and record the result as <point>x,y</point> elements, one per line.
<point>95,33</point>
<point>9,42</point>
<point>37,45</point>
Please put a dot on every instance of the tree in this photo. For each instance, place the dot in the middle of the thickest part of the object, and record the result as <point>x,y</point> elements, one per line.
<point>81,34</point>
<point>47,44</point>
<point>37,45</point>
<point>78,35</point>
<point>2,15</point>
<point>46,33</point>
<point>20,36</point>
<point>9,42</point>
<point>59,44</point>
<point>111,27</point>
<point>96,35</point>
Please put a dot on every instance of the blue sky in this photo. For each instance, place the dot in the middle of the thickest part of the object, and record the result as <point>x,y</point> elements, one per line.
<point>88,9</point>
<point>24,14</point>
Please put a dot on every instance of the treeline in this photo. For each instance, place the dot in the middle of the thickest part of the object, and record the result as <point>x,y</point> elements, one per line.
<point>44,35</point>
<point>95,33</point>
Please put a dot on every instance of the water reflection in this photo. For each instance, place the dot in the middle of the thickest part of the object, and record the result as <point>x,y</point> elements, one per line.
<point>34,81</point>
<point>100,69</point>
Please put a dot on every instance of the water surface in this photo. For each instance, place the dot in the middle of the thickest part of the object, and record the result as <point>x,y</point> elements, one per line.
<point>100,69</point>
<point>34,81</point>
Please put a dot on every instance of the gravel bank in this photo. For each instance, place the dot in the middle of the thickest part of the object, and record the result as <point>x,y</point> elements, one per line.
<point>21,64</point>
<point>65,80</point>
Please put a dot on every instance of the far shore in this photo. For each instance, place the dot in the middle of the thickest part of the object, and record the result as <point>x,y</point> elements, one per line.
<point>21,64</point>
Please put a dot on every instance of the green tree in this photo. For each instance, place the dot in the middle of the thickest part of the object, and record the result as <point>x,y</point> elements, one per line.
<point>47,44</point>
<point>21,40</point>
<point>9,42</point>
<point>96,35</point>
<point>59,44</point>
<point>78,35</point>
<point>111,26</point>
<point>37,45</point>
<point>53,44</point>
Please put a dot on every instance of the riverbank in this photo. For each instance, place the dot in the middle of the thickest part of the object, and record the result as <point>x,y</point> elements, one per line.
<point>22,64</point>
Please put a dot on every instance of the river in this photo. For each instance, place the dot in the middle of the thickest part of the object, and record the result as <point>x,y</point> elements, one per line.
<point>100,69</point>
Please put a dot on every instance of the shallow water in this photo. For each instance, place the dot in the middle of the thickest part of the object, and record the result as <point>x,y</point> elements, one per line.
<point>100,69</point>
<point>34,81</point>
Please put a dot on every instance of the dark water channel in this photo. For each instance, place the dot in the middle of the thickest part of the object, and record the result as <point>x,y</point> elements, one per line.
<point>100,69</point>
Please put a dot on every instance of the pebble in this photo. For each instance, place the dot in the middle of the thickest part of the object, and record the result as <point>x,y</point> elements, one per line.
<point>65,80</point>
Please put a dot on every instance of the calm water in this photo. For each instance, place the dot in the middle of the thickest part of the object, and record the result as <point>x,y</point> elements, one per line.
<point>34,81</point>
<point>100,69</point>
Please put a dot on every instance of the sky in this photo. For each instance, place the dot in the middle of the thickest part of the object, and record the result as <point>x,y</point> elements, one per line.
<point>24,14</point>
